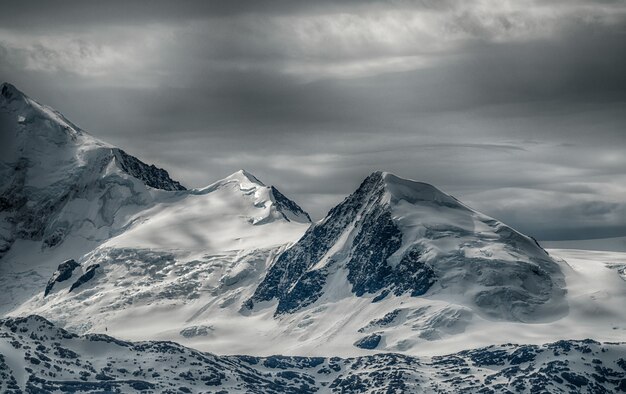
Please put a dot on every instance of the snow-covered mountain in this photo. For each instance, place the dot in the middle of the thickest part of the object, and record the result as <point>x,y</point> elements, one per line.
<point>64,193</point>
<point>400,237</point>
<point>238,212</point>
<point>189,267</point>
<point>37,356</point>
<point>97,241</point>
<point>60,181</point>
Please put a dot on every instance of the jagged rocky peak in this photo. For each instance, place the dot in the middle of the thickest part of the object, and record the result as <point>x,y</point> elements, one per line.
<point>396,237</point>
<point>151,175</point>
<point>387,188</point>
<point>269,199</point>
<point>10,92</point>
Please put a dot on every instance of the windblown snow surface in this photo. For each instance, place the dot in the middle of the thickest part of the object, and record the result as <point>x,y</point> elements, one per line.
<point>398,274</point>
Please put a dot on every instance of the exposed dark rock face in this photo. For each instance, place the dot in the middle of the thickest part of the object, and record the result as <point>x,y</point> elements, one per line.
<point>370,272</point>
<point>151,175</point>
<point>395,236</point>
<point>10,92</point>
<point>90,272</point>
<point>195,331</point>
<point>45,358</point>
<point>368,342</point>
<point>384,321</point>
<point>63,273</point>
<point>288,280</point>
<point>285,204</point>
<point>292,281</point>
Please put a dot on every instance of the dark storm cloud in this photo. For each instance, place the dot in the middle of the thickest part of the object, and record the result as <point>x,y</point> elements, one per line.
<point>518,108</point>
<point>28,14</point>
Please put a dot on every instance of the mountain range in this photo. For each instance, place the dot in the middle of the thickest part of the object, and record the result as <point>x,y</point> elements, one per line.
<point>95,240</point>
<point>57,360</point>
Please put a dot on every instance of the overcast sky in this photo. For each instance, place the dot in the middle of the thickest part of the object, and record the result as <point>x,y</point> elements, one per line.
<point>517,108</point>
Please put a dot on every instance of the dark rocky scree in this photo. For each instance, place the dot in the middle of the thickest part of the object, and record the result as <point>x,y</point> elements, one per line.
<point>369,342</point>
<point>52,359</point>
<point>384,321</point>
<point>63,273</point>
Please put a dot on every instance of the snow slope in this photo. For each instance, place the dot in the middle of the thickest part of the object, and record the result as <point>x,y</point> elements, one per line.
<point>197,296</point>
<point>236,213</point>
<point>58,180</point>
<point>65,193</point>
<point>62,192</point>
<point>37,356</point>
<point>191,257</point>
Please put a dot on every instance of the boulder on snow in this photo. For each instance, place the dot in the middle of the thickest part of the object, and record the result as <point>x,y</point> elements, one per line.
<point>368,342</point>
<point>63,273</point>
<point>88,275</point>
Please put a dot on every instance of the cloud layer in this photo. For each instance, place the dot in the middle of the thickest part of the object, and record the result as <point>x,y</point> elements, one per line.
<point>516,107</point>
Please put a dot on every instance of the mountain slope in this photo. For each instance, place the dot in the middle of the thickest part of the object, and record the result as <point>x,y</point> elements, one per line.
<point>100,241</point>
<point>238,212</point>
<point>62,192</point>
<point>58,180</point>
<point>37,356</point>
<point>67,195</point>
<point>394,236</point>
<point>195,256</point>
<point>185,268</point>
<point>188,265</point>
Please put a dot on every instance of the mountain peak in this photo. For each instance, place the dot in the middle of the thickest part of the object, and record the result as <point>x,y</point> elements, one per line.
<point>397,189</point>
<point>9,92</point>
<point>401,237</point>
<point>414,192</point>
<point>62,181</point>
<point>272,203</point>
<point>29,111</point>
<point>244,176</point>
